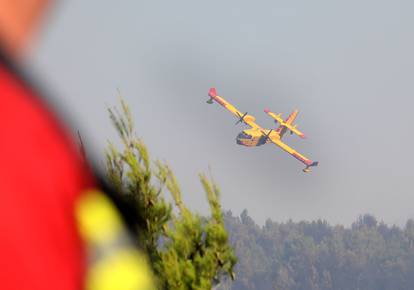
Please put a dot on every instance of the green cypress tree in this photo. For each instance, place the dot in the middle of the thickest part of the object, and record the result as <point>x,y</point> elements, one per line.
<point>187,251</point>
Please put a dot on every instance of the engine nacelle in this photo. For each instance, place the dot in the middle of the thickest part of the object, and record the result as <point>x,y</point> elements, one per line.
<point>249,118</point>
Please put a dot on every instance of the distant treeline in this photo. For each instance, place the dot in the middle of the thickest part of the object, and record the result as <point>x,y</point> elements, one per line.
<point>317,256</point>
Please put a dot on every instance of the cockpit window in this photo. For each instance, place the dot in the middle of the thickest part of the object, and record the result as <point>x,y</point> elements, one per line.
<point>244,136</point>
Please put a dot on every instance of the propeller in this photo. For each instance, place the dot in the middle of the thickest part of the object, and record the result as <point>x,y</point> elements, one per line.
<point>241,118</point>
<point>267,135</point>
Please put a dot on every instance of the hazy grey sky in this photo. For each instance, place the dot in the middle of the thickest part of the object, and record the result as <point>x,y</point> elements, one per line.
<point>348,66</point>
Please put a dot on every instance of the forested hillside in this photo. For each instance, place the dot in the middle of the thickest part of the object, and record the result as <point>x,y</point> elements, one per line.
<point>318,256</point>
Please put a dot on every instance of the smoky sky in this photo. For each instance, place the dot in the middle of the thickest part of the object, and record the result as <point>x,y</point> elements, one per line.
<point>347,66</point>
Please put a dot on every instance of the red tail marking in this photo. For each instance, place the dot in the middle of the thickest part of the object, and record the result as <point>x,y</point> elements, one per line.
<point>212,92</point>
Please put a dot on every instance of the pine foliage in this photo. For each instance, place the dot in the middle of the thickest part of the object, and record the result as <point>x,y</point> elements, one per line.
<point>187,251</point>
<point>369,255</point>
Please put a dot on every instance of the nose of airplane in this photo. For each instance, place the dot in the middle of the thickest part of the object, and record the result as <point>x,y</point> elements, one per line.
<point>242,137</point>
<point>238,138</point>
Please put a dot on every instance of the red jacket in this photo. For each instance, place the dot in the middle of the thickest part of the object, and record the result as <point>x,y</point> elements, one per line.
<point>41,176</point>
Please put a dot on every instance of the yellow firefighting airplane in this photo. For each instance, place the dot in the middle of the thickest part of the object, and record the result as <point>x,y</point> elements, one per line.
<point>256,135</point>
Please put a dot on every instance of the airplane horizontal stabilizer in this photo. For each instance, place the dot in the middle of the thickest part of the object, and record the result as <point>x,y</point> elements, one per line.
<point>286,123</point>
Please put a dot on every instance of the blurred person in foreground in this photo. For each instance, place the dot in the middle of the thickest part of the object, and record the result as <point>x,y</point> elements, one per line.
<point>58,231</point>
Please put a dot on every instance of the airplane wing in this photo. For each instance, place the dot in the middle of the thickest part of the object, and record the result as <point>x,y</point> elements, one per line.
<point>287,123</point>
<point>294,153</point>
<point>243,117</point>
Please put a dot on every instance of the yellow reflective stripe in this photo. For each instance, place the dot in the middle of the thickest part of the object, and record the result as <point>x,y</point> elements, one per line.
<point>120,265</point>
<point>126,270</point>
<point>98,220</point>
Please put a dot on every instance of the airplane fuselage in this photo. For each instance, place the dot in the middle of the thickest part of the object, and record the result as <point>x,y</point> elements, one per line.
<point>254,137</point>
